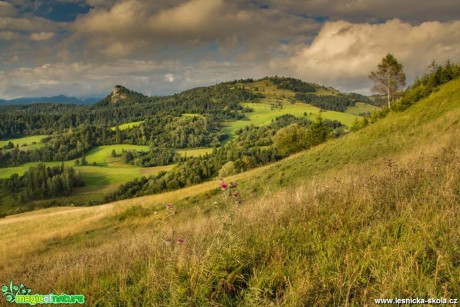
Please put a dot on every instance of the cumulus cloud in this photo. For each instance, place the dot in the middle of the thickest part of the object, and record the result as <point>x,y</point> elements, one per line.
<point>80,77</point>
<point>27,24</point>
<point>344,53</point>
<point>41,36</point>
<point>169,78</point>
<point>139,27</point>
<point>15,36</point>
<point>149,77</point>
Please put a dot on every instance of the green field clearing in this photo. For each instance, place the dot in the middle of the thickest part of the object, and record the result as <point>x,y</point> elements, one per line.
<point>263,115</point>
<point>194,152</point>
<point>102,154</point>
<point>128,125</point>
<point>192,115</point>
<point>28,140</point>
<point>101,176</point>
<point>361,107</point>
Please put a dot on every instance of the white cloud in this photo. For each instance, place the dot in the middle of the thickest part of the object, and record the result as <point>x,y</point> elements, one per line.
<point>27,24</point>
<point>150,77</point>
<point>344,53</point>
<point>169,78</point>
<point>41,36</point>
<point>135,27</point>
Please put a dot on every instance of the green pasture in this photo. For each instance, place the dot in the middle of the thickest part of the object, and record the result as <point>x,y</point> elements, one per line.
<point>102,154</point>
<point>192,115</point>
<point>27,141</point>
<point>194,152</point>
<point>127,125</point>
<point>263,115</point>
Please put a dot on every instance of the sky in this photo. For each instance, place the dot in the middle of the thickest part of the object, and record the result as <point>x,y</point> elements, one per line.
<point>83,48</point>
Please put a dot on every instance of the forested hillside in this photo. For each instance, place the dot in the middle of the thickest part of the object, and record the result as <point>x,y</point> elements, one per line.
<point>236,125</point>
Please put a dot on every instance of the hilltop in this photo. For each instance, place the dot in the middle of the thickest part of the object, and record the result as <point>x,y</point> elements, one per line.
<point>373,214</point>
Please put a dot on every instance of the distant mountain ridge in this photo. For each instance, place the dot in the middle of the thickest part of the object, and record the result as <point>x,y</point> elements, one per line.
<point>53,99</point>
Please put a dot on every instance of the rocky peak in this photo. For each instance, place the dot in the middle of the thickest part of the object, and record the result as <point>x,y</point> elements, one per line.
<point>119,93</point>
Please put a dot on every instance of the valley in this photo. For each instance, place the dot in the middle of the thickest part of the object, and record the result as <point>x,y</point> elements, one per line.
<point>104,167</point>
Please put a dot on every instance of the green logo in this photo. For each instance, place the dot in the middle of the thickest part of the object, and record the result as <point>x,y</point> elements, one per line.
<point>21,295</point>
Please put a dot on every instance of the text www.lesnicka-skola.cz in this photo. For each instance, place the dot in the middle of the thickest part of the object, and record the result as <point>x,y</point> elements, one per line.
<point>417,300</point>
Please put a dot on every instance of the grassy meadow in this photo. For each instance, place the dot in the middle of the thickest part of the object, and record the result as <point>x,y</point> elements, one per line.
<point>264,113</point>
<point>25,143</point>
<point>103,154</point>
<point>194,152</point>
<point>374,214</point>
<point>128,125</point>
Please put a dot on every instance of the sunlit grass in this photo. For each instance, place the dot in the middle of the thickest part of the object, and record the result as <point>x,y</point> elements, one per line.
<point>25,143</point>
<point>264,114</point>
<point>127,125</point>
<point>101,154</point>
<point>194,152</point>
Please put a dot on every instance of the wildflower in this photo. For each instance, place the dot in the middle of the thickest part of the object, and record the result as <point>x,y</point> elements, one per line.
<point>223,186</point>
<point>169,206</point>
<point>233,185</point>
<point>236,194</point>
<point>180,241</point>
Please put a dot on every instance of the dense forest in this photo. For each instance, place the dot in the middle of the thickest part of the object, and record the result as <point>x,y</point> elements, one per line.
<point>41,182</point>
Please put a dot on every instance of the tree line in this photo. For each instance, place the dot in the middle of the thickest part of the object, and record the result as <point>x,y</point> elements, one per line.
<point>40,182</point>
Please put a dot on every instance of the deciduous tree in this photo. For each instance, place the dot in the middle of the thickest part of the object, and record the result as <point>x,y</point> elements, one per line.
<point>388,78</point>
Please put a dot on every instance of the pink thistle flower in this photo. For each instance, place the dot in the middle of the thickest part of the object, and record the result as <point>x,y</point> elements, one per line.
<point>236,194</point>
<point>180,241</point>
<point>223,186</point>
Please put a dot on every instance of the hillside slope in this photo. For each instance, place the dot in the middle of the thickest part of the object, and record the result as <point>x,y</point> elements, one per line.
<point>374,214</point>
